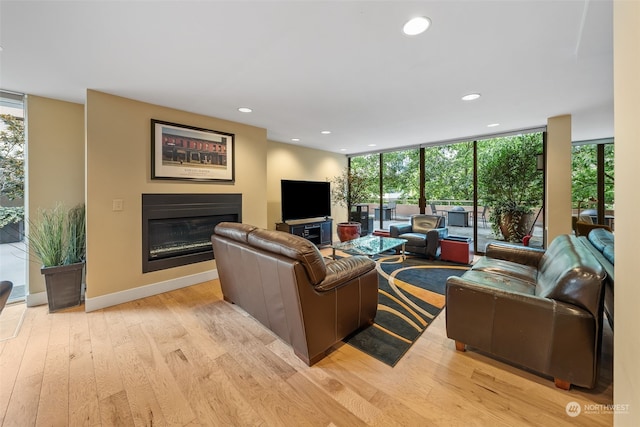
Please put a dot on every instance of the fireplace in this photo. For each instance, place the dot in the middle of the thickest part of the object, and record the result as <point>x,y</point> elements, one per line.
<point>177,228</point>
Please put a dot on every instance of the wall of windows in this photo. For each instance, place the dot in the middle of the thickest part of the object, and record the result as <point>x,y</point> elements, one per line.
<point>486,179</point>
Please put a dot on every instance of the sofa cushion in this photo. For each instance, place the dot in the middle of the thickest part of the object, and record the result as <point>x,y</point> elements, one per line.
<point>603,241</point>
<point>608,254</point>
<point>424,223</point>
<point>523,272</point>
<point>500,281</point>
<point>414,239</point>
<point>234,230</point>
<point>291,246</point>
<point>344,270</point>
<point>570,273</point>
<point>600,238</point>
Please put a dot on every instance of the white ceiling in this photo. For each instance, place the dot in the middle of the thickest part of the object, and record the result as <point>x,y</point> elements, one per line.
<point>343,66</point>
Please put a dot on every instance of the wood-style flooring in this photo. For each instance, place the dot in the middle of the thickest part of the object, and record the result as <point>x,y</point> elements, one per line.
<point>187,358</point>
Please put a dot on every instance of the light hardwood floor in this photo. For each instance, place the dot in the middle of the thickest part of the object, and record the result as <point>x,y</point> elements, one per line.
<point>189,358</point>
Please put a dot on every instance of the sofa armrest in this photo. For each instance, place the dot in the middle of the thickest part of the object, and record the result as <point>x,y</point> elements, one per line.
<point>397,229</point>
<point>433,240</point>
<point>518,254</point>
<point>343,270</point>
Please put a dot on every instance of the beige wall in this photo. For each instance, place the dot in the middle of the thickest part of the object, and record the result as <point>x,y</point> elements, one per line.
<point>626,366</point>
<point>558,178</point>
<point>285,161</point>
<point>118,167</point>
<point>55,162</point>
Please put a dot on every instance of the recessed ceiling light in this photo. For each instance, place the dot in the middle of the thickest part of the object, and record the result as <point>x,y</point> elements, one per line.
<point>343,149</point>
<point>416,26</point>
<point>245,110</point>
<point>371,145</point>
<point>325,132</point>
<point>471,97</point>
<point>295,139</point>
<point>492,125</point>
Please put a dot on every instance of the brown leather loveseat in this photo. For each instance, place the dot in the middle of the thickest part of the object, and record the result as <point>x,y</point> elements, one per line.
<point>541,310</point>
<point>283,281</point>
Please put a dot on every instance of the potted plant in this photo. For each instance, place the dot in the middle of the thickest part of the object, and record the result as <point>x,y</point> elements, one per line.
<point>511,185</point>
<point>11,224</point>
<point>58,238</point>
<point>348,190</point>
<point>11,179</point>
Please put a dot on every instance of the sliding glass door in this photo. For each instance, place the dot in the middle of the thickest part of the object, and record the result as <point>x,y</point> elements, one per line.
<point>12,245</point>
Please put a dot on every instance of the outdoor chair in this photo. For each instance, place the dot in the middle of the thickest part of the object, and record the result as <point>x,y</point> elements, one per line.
<point>392,209</point>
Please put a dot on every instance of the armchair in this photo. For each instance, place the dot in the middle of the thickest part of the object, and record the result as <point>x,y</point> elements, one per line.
<point>423,234</point>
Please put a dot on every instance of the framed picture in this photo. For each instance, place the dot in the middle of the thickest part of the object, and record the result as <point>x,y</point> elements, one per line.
<point>191,153</point>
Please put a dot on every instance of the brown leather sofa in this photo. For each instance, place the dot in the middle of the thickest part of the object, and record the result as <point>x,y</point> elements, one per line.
<point>534,308</point>
<point>283,281</point>
<point>423,234</point>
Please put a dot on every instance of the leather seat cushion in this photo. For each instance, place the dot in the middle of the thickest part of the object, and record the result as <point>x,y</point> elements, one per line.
<point>500,281</point>
<point>414,239</point>
<point>507,268</point>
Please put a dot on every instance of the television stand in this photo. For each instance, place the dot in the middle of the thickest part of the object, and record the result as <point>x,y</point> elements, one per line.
<point>319,232</point>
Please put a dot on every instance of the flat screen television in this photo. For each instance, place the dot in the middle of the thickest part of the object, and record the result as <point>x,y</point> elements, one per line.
<point>305,199</point>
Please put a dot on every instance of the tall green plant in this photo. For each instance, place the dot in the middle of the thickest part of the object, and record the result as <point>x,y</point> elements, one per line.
<point>349,188</point>
<point>58,236</point>
<point>509,181</point>
<point>76,229</point>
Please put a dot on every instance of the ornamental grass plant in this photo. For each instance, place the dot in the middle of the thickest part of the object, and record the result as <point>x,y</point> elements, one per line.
<point>58,236</point>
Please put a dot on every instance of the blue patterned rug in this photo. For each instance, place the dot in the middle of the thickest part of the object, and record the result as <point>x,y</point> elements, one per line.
<point>411,295</point>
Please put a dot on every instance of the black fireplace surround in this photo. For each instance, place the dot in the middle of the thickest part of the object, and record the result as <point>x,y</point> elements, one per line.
<point>177,228</point>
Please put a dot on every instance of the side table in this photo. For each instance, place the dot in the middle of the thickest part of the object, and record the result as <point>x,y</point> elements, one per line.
<point>456,249</point>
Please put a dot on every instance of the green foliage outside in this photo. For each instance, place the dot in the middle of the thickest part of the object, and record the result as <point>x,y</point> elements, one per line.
<point>11,167</point>
<point>585,177</point>
<point>509,183</point>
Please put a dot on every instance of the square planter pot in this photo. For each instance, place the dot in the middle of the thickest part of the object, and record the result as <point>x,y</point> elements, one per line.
<point>12,233</point>
<point>64,285</point>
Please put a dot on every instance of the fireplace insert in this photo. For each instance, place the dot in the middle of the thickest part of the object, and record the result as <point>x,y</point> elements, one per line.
<point>177,228</point>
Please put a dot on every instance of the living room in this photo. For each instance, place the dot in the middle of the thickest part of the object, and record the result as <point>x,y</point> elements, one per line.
<point>99,151</point>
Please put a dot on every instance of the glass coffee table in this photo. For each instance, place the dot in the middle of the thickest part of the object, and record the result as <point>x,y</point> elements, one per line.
<point>370,245</point>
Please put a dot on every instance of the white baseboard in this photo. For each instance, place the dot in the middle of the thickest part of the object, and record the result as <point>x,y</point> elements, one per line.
<point>37,299</point>
<point>92,304</point>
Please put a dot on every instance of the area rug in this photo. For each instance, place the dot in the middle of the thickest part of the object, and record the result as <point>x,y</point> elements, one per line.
<point>411,295</point>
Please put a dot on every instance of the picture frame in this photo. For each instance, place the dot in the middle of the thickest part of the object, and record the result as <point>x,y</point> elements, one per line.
<point>182,152</point>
